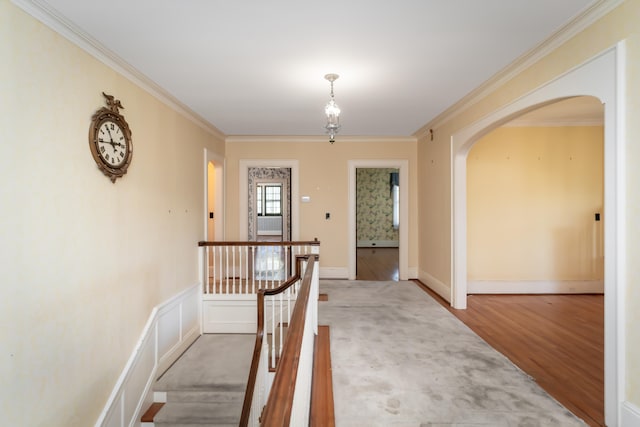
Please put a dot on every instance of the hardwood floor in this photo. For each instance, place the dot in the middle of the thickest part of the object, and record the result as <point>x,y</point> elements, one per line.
<point>556,339</point>
<point>377,264</point>
<point>322,412</point>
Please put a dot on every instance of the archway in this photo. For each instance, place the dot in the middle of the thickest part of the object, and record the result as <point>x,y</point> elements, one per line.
<point>601,77</point>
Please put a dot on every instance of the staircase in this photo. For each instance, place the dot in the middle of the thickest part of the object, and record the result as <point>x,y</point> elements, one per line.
<point>207,383</point>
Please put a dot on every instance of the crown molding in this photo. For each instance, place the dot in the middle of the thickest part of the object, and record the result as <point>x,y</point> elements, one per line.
<point>50,17</point>
<point>233,139</point>
<point>583,20</point>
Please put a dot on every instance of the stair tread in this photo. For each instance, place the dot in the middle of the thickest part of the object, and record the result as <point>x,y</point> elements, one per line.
<point>199,413</point>
<point>205,396</point>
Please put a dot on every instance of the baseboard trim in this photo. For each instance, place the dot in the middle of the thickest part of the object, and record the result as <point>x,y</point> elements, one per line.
<point>412,273</point>
<point>535,287</point>
<point>435,285</point>
<point>629,415</point>
<point>172,327</point>
<point>334,272</point>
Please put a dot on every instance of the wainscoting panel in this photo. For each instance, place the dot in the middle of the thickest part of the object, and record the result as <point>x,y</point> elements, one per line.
<point>221,315</point>
<point>171,328</point>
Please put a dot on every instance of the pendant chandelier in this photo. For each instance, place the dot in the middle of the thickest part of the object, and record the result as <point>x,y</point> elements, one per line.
<point>332,111</point>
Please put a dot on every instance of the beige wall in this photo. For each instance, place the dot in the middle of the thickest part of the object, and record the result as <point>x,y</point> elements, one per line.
<point>323,170</point>
<point>84,260</point>
<point>532,195</point>
<point>434,160</point>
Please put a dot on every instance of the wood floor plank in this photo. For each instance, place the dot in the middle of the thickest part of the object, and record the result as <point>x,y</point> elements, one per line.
<point>377,264</point>
<point>150,413</point>
<point>322,410</point>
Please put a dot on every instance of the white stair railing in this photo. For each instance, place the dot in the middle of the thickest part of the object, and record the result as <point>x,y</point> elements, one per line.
<point>241,268</point>
<point>294,357</point>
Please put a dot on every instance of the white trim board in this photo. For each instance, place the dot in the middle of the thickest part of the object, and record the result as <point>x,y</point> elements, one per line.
<point>334,272</point>
<point>172,327</point>
<point>435,285</point>
<point>535,287</point>
<point>630,415</point>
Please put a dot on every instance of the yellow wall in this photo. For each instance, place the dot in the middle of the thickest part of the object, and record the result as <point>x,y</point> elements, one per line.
<point>324,175</point>
<point>532,195</point>
<point>84,260</point>
<point>434,160</point>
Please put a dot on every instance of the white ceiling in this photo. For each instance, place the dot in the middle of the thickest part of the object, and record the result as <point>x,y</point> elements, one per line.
<point>257,67</point>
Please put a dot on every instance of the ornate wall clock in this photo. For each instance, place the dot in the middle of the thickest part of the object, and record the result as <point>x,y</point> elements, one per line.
<point>110,139</point>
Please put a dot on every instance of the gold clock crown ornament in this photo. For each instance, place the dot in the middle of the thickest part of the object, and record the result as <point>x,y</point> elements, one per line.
<point>110,139</point>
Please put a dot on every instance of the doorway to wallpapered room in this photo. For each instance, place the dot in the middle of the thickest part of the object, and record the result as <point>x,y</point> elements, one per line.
<point>377,223</point>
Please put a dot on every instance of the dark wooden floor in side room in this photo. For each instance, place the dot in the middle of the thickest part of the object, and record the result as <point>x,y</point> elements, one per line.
<point>377,264</point>
<point>556,339</point>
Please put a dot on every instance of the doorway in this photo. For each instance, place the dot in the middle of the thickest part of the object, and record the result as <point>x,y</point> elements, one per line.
<point>403,212</point>
<point>534,237</point>
<point>244,191</point>
<point>214,196</point>
<point>269,204</point>
<point>601,77</point>
<point>377,223</point>
<point>271,211</point>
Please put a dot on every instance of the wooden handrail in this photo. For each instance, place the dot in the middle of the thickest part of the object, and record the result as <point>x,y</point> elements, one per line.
<point>255,361</point>
<point>277,411</point>
<point>296,243</point>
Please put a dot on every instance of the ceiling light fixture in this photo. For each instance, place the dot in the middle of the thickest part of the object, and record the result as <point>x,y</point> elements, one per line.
<point>332,111</point>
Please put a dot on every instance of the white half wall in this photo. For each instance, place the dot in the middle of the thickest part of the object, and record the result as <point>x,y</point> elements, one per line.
<point>172,327</point>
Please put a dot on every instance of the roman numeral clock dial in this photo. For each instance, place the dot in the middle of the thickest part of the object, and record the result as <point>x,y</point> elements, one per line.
<point>110,139</point>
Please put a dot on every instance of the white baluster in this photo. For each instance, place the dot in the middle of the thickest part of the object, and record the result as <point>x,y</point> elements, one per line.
<point>253,276</point>
<point>285,256</point>
<point>281,328</point>
<point>233,269</point>
<point>226,258</point>
<point>273,332</point>
<point>246,270</point>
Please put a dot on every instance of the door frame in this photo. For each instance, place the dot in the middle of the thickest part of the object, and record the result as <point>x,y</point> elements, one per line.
<point>243,193</point>
<point>285,206</point>
<point>403,244</point>
<point>219,194</point>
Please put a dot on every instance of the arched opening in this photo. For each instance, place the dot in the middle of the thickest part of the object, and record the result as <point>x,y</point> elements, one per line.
<point>535,203</point>
<point>535,248</point>
<point>600,78</point>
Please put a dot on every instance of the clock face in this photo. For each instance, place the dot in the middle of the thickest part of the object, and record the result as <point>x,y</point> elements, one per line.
<point>111,144</point>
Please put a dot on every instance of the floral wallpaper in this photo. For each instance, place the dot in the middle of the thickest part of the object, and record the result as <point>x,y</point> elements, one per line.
<point>258,174</point>
<point>374,205</point>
